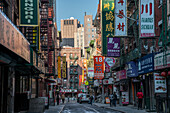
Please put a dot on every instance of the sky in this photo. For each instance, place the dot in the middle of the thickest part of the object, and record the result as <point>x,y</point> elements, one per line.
<point>75,8</point>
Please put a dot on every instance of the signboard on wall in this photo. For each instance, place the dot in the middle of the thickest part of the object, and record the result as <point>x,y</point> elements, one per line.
<point>120,18</point>
<point>146,64</point>
<point>160,83</point>
<point>108,7</point>
<point>98,67</point>
<point>64,72</point>
<point>131,69</point>
<point>13,39</point>
<point>113,47</point>
<point>28,12</point>
<point>90,72</point>
<point>147,19</point>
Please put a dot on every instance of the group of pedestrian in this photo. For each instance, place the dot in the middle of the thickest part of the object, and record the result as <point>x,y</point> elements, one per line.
<point>58,97</point>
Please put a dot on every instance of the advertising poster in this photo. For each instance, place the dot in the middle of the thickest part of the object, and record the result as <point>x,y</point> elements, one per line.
<point>90,72</point>
<point>160,83</point>
<point>108,7</point>
<point>113,47</point>
<point>120,18</point>
<point>28,12</point>
<point>147,19</point>
<point>98,67</point>
<point>125,98</point>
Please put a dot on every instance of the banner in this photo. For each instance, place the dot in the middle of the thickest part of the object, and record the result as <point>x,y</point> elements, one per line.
<point>28,12</point>
<point>59,67</point>
<point>64,73</point>
<point>160,83</point>
<point>120,18</point>
<point>108,7</point>
<point>113,47</point>
<point>147,18</point>
<point>80,80</point>
<point>98,67</point>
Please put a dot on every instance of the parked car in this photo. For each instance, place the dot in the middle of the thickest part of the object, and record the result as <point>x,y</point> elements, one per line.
<point>84,98</point>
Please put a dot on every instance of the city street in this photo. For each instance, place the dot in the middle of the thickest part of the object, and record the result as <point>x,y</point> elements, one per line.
<point>85,108</point>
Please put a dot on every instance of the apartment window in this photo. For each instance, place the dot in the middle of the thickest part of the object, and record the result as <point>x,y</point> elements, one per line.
<point>88,19</point>
<point>65,22</point>
<point>92,36</point>
<point>71,55</point>
<point>72,22</point>
<point>64,54</point>
<point>88,25</point>
<point>88,30</point>
<point>89,36</point>
<point>92,30</point>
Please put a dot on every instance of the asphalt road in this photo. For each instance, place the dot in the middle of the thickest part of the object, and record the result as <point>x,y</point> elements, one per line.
<point>85,108</point>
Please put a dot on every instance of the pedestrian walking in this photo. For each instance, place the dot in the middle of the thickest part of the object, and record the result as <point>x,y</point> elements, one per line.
<point>91,99</point>
<point>63,98</point>
<point>111,99</point>
<point>68,99</point>
<point>140,98</point>
<point>114,99</point>
<point>58,98</point>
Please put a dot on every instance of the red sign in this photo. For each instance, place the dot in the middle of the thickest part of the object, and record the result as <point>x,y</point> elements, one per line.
<point>98,67</point>
<point>80,80</point>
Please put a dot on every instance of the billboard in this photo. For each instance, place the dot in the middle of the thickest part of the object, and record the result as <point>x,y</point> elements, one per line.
<point>28,12</point>
<point>64,72</point>
<point>113,47</point>
<point>120,18</point>
<point>147,25</point>
<point>59,66</point>
<point>108,7</point>
<point>98,67</point>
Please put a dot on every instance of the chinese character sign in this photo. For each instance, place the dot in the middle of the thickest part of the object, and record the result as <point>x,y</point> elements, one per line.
<point>64,75</point>
<point>120,18</point>
<point>147,28</point>
<point>28,12</point>
<point>59,67</point>
<point>113,47</point>
<point>107,23</point>
<point>98,67</point>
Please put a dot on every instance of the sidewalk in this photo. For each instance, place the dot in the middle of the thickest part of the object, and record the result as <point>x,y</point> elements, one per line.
<point>123,109</point>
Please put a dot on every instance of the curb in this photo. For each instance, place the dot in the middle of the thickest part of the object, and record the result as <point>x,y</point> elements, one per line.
<point>110,108</point>
<point>62,109</point>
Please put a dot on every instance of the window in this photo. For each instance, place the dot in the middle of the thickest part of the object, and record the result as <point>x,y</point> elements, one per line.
<point>92,30</point>
<point>64,54</point>
<point>92,36</point>
<point>88,24</point>
<point>71,62</point>
<point>89,36</point>
<point>160,2</point>
<point>64,22</point>
<point>71,55</point>
<point>88,30</point>
<point>70,22</point>
<point>88,19</point>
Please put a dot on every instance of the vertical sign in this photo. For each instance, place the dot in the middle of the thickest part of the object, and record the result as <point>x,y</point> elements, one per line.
<point>28,12</point>
<point>147,28</point>
<point>90,72</point>
<point>120,18</point>
<point>98,67</point>
<point>160,83</point>
<point>64,67</point>
<point>107,23</point>
<point>80,80</point>
<point>113,47</point>
<point>59,67</point>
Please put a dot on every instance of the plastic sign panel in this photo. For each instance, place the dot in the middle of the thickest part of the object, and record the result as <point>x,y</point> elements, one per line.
<point>113,47</point>
<point>120,18</point>
<point>108,7</point>
<point>90,72</point>
<point>59,67</point>
<point>64,74</point>
<point>147,19</point>
<point>109,61</point>
<point>98,67</point>
<point>28,12</point>
<point>160,83</point>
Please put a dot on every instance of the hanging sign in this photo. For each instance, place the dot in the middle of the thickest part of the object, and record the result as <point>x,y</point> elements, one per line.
<point>28,12</point>
<point>64,75</point>
<point>120,18</point>
<point>131,69</point>
<point>109,61</point>
<point>147,25</point>
<point>113,47</point>
<point>98,67</point>
<point>90,72</point>
<point>108,7</point>
<point>59,67</point>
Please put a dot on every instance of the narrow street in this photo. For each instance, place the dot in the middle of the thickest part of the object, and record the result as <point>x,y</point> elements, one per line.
<point>85,108</point>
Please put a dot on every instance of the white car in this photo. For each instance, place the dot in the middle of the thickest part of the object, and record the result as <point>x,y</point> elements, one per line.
<point>84,98</point>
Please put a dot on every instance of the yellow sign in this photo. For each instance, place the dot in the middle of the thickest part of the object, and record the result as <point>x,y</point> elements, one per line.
<point>82,75</point>
<point>59,67</point>
<point>86,83</point>
<point>64,67</point>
